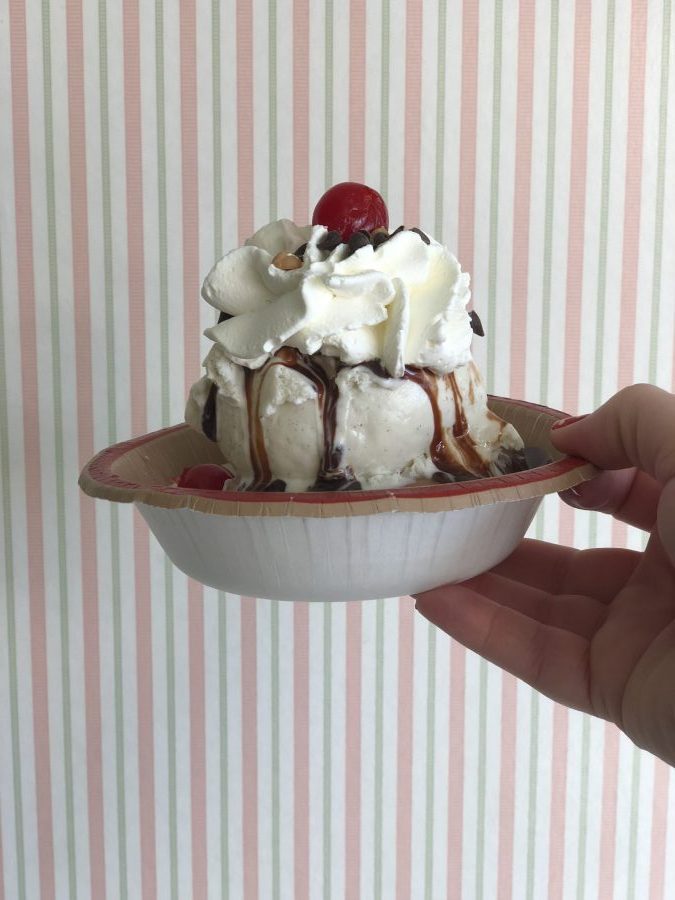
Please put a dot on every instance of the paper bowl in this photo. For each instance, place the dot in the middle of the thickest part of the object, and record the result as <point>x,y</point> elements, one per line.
<point>331,546</point>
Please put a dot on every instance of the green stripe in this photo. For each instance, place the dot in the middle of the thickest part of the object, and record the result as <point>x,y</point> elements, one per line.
<point>633,833</point>
<point>327,742</point>
<point>384,102</point>
<point>604,225</point>
<point>224,806</point>
<point>532,803</point>
<point>276,832</point>
<point>161,194</point>
<point>379,713</point>
<point>431,733</point>
<point>112,436</point>
<point>6,483</point>
<point>440,118</point>
<point>583,807</point>
<point>328,92</point>
<point>272,100</point>
<point>494,192</point>
<point>549,203</point>
<point>482,766</point>
<point>58,445</point>
<point>171,726</point>
<point>660,191</point>
<point>217,127</point>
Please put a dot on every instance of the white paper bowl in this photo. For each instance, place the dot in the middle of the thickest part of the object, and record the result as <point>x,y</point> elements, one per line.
<point>331,546</point>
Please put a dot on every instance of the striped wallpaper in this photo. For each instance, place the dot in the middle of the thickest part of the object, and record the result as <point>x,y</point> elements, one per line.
<point>160,740</point>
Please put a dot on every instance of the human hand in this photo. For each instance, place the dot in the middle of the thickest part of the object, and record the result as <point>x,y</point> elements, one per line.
<point>593,629</point>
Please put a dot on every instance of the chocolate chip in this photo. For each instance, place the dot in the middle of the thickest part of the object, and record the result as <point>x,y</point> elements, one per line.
<point>223,317</point>
<point>400,228</point>
<point>424,237</point>
<point>379,237</point>
<point>301,250</point>
<point>329,241</point>
<point>476,324</point>
<point>535,457</point>
<point>357,240</point>
<point>277,485</point>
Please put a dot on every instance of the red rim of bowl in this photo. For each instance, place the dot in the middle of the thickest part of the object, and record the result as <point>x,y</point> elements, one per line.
<point>99,470</point>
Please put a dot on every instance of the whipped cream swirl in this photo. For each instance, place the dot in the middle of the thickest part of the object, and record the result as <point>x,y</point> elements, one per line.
<point>402,303</point>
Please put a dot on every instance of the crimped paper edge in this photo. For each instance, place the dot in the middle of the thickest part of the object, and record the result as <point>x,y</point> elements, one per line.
<point>101,478</point>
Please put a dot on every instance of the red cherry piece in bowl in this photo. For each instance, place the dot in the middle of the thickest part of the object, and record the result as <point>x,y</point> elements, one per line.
<point>348,207</point>
<point>204,477</point>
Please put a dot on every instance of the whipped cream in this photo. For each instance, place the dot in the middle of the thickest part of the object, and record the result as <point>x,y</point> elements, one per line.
<point>401,304</point>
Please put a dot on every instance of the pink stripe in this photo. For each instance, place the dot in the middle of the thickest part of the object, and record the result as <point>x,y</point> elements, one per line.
<point>608,813</point>
<point>197,740</point>
<point>619,534</point>
<point>519,279</point>
<point>577,207</point>
<point>301,749</point>
<point>357,93</point>
<point>191,334</point>
<point>301,111</point>
<point>406,624</point>
<point>85,413</point>
<point>507,788</point>
<point>556,861</point>
<point>190,187</point>
<point>521,200</point>
<point>575,266</point>
<point>659,831</point>
<point>413,105</point>
<point>249,747</point>
<point>142,586</point>
<point>31,437</point>
<point>576,225</point>
<point>633,192</point>
<point>144,701</point>
<point>245,118</point>
<point>456,770</point>
<point>353,754</point>
<point>467,152</point>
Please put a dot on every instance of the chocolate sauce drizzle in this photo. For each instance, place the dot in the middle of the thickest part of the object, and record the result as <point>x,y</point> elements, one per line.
<point>454,454</point>
<point>209,414</point>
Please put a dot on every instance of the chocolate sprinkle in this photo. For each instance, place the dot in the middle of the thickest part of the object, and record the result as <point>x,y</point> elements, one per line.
<point>424,237</point>
<point>301,250</point>
<point>330,241</point>
<point>476,324</point>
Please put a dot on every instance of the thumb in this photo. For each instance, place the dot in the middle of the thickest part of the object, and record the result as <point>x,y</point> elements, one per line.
<point>635,428</point>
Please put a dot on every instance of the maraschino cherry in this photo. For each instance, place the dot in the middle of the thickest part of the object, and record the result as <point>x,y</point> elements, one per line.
<point>204,477</point>
<point>349,207</point>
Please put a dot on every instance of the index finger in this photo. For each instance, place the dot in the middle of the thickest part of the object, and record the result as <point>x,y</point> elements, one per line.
<point>636,427</point>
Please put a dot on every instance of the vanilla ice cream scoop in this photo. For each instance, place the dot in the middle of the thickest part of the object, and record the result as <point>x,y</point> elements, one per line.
<point>345,364</point>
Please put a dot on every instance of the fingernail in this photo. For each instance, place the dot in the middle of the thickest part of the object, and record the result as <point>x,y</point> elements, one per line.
<point>561,423</point>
